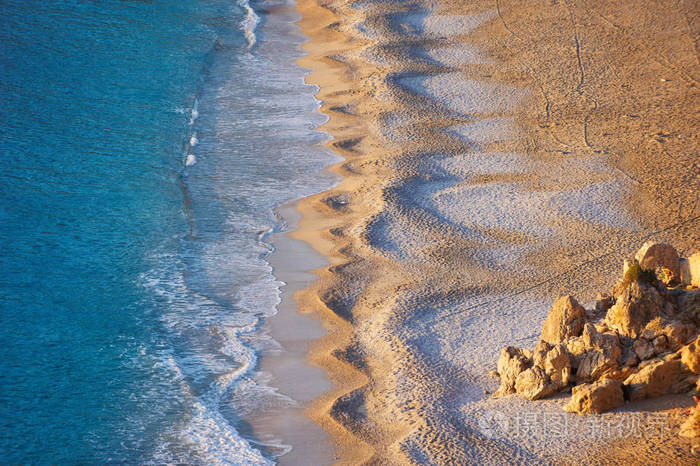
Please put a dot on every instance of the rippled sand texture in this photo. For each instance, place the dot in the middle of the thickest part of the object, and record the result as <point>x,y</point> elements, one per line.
<point>497,156</point>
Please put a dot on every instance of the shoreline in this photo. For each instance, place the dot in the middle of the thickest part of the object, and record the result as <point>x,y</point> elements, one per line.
<point>429,274</point>
<point>287,365</point>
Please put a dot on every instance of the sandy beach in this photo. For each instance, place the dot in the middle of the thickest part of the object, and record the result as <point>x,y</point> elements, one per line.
<point>496,156</point>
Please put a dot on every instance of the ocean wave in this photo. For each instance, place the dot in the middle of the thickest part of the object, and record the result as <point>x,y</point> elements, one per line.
<point>249,23</point>
<point>207,358</point>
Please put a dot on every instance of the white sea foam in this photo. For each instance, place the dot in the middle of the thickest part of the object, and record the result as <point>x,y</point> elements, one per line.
<point>210,296</point>
<point>194,113</point>
<point>249,23</point>
<point>209,359</point>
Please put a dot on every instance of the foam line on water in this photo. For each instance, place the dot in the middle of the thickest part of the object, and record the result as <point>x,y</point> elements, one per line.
<point>249,23</point>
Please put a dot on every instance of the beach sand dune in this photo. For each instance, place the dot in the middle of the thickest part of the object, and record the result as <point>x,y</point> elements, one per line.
<point>497,155</point>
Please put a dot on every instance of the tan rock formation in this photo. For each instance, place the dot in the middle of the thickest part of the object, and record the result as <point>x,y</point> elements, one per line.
<point>659,377</point>
<point>690,356</point>
<point>595,398</point>
<point>534,383</point>
<point>636,306</point>
<point>652,255</point>
<point>512,362</point>
<point>565,319</point>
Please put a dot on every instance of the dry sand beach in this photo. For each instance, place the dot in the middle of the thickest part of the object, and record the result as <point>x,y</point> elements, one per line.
<point>496,155</point>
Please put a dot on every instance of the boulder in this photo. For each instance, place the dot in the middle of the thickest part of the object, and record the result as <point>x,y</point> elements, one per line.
<point>596,398</point>
<point>659,377</point>
<point>652,255</point>
<point>534,384</point>
<point>608,341</point>
<point>510,364</point>
<point>690,356</point>
<point>600,355</point>
<point>643,349</point>
<point>660,344</point>
<point>678,333</point>
<point>690,270</point>
<point>593,364</point>
<point>637,305</point>
<point>565,319</point>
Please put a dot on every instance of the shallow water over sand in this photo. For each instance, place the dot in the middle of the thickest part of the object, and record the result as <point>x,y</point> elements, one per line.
<point>147,145</point>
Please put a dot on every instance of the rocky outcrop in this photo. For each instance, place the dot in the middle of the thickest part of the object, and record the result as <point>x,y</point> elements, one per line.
<point>512,362</point>
<point>638,304</point>
<point>641,340</point>
<point>659,377</point>
<point>595,398</point>
<point>653,255</point>
<point>690,356</point>
<point>565,319</point>
<point>689,303</point>
<point>690,270</point>
<point>534,383</point>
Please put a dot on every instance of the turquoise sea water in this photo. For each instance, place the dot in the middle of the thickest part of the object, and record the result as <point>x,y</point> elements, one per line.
<point>145,147</point>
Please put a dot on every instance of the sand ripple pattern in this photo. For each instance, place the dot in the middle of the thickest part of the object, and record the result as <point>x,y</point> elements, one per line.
<point>474,193</point>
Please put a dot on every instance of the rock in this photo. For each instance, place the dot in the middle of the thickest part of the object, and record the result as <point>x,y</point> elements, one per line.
<point>565,319</point>
<point>620,374</point>
<point>643,349</point>
<point>635,307</point>
<point>593,364</point>
<point>512,362</point>
<point>607,341</point>
<point>557,366</point>
<point>626,264</point>
<point>603,302</point>
<point>691,427</point>
<point>659,377</point>
<point>494,374</point>
<point>690,270</point>
<point>597,397</point>
<point>652,255</point>
<point>618,289</point>
<point>690,356</point>
<point>689,303</point>
<point>678,333</point>
<point>660,344</point>
<point>602,327</point>
<point>694,269</point>
<point>629,357</point>
<point>575,345</point>
<point>685,271</point>
<point>534,384</point>
<point>539,353</point>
